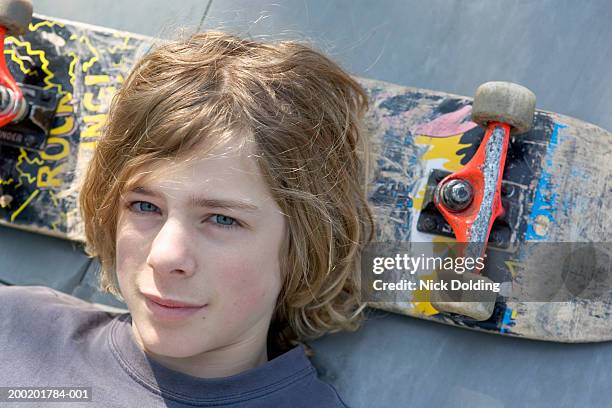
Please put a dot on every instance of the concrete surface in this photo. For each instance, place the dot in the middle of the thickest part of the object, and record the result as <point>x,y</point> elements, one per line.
<point>560,49</point>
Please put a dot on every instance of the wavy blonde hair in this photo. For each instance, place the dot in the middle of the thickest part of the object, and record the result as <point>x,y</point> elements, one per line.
<point>304,114</point>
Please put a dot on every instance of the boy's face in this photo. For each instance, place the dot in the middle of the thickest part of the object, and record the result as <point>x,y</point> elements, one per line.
<point>220,255</point>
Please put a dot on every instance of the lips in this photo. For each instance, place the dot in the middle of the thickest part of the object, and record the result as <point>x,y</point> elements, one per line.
<point>170,310</point>
<point>170,303</point>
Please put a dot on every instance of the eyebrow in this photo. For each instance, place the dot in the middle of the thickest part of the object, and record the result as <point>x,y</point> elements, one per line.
<point>196,202</point>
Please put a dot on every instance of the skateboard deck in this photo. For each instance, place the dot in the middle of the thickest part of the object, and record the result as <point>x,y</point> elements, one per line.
<point>556,184</point>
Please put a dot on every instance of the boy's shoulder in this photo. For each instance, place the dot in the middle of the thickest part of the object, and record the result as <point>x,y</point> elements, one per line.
<point>43,310</point>
<point>15,300</point>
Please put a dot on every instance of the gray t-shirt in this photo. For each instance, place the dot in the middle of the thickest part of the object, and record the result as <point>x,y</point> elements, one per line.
<point>50,339</point>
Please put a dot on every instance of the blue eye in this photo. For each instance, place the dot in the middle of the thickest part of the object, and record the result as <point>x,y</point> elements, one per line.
<point>145,207</point>
<point>224,221</point>
<point>142,207</point>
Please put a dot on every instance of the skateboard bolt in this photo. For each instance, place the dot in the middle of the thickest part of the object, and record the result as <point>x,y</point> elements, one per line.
<point>429,224</point>
<point>30,141</point>
<point>507,190</point>
<point>5,98</point>
<point>457,195</point>
<point>496,237</point>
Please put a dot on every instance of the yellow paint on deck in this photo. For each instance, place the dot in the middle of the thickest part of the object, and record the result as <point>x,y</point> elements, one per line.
<point>123,46</point>
<point>64,128</point>
<point>44,66</point>
<point>440,148</point>
<point>96,79</point>
<point>93,50</point>
<point>62,154</point>
<point>425,307</point>
<point>417,202</point>
<point>512,267</point>
<point>49,177</point>
<point>105,95</point>
<point>71,67</point>
<point>88,145</point>
<point>15,58</point>
<point>24,205</point>
<point>23,156</point>
<point>64,105</point>
<point>62,218</point>
<point>44,23</point>
<point>53,198</point>
<point>443,148</point>
<point>94,125</point>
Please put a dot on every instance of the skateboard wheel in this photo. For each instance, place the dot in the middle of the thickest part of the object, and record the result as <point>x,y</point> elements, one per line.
<point>15,15</point>
<point>478,306</point>
<point>504,102</point>
<point>5,200</point>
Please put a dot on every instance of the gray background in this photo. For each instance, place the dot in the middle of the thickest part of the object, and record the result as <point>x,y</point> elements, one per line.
<point>560,49</point>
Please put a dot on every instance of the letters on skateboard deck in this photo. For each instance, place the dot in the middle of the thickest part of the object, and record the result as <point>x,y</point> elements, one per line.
<point>547,204</point>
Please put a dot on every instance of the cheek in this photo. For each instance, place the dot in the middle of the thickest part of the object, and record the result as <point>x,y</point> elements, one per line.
<point>129,251</point>
<point>248,283</point>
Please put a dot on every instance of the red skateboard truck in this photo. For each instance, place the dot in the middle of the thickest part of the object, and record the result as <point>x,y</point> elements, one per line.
<point>15,16</point>
<point>26,111</point>
<point>470,199</point>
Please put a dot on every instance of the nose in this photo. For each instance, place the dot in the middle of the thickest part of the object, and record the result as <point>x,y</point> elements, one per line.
<point>171,250</point>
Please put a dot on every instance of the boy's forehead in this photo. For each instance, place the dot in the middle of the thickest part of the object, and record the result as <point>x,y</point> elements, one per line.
<point>232,158</point>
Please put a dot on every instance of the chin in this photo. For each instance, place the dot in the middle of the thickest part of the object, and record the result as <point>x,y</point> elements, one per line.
<point>168,345</point>
<point>169,352</point>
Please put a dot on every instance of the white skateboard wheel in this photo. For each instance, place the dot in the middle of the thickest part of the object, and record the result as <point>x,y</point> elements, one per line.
<point>504,102</point>
<point>475,306</point>
<point>15,15</point>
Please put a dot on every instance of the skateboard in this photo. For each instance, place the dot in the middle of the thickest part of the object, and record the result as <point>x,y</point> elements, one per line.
<point>519,187</point>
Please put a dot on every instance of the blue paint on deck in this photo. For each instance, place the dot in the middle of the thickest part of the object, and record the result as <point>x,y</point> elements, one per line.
<point>544,201</point>
<point>507,321</point>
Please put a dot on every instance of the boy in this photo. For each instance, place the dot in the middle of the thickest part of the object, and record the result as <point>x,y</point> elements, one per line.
<point>225,202</point>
